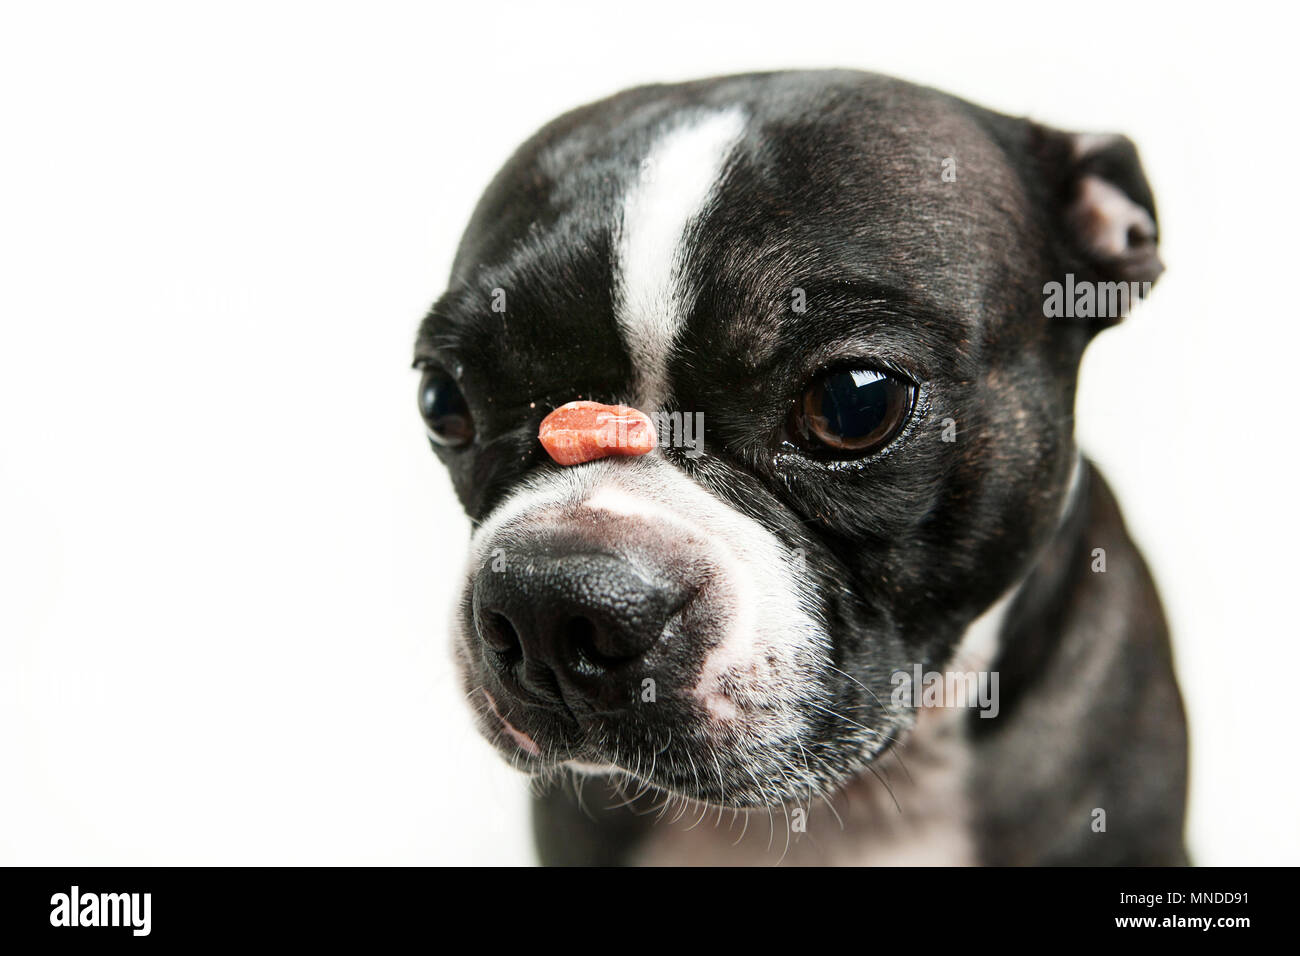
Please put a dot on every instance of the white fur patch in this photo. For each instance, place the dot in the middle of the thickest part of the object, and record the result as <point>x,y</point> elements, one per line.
<point>651,301</point>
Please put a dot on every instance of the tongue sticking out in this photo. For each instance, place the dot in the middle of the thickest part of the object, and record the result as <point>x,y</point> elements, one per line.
<point>584,431</point>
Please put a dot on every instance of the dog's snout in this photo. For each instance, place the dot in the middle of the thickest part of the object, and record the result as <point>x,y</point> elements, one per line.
<point>572,628</point>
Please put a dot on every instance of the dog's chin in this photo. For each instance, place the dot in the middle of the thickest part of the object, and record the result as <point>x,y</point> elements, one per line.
<point>693,759</point>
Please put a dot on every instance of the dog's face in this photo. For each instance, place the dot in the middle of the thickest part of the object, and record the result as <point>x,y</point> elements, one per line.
<point>841,278</point>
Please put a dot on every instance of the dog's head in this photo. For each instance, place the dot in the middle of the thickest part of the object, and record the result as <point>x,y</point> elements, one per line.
<point>827,291</point>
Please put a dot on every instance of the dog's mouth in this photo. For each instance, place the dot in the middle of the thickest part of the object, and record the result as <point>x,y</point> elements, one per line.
<point>745,761</point>
<point>711,738</point>
<point>521,740</point>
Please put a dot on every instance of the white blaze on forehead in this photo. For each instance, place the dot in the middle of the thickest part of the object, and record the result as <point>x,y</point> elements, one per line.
<point>673,187</point>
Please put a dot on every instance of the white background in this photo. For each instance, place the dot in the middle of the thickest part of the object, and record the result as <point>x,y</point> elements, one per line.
<point>226,553</point>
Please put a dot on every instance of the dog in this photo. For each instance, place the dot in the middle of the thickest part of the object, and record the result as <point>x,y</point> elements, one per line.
<point>758,392</point>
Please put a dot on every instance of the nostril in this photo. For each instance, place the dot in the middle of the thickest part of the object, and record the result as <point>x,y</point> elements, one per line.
<point>580,636</point>
<point>592,645</point>
<point>499,634</point>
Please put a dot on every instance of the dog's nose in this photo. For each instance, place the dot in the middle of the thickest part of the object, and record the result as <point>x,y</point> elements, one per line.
<point>572,628</point>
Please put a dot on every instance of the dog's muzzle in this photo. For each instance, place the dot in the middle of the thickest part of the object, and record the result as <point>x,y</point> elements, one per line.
<point>617,614</point>
<point>577,630</point>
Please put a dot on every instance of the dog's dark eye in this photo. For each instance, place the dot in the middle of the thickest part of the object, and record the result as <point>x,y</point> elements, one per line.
<point>850,414</point>
<point>444,410</point>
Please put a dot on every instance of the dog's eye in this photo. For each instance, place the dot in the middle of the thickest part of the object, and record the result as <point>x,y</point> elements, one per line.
<point>444,410</point>
<point>849,414</point>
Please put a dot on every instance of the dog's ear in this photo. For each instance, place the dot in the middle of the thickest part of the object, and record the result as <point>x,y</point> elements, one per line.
<point>1102,211</point>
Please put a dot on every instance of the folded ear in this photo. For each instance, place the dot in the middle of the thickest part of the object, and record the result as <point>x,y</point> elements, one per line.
<point>1104,213</point>
<point>1112,214</point>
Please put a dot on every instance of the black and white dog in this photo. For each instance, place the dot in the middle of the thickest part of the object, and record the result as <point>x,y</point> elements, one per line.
<point>835,299</point>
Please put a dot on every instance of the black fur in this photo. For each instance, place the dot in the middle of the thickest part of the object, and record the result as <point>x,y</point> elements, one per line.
<point>836,189</point>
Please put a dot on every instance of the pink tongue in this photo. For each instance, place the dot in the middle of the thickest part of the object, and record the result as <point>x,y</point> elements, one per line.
<point>585,431</point>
